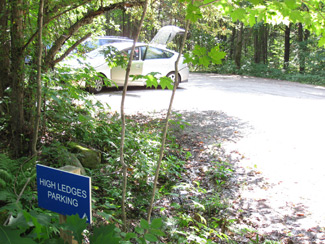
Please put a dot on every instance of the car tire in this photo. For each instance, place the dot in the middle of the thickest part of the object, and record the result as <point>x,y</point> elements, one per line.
<point>172,75</point>
<point>98,85</point>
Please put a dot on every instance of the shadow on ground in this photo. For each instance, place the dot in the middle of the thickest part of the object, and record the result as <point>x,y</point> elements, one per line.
<point>255,204</point>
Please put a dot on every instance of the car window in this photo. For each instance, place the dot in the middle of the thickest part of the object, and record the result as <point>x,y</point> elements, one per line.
<point>136,53</point>
<point>155,53</point>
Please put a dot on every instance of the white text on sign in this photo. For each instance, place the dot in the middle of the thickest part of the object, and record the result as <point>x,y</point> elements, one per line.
<point>76,192</point>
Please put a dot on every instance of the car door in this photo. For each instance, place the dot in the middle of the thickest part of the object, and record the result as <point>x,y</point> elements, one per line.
<point>157,60</point>
<point>118,73</point>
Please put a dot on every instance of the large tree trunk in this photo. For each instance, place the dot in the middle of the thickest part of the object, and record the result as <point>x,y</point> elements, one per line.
<point>260,43</point>
<point>17,76</point>
<point>4,51</point>
<point>286,47</point>
<point>239,45</point>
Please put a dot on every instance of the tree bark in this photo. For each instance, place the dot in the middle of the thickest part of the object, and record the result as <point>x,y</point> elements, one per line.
<point>286,47</point>
<point>239,45</point>
<point>38,79</point>
<point>4,51</point>
<point>257,53</point>
<point>17,76</point>
<point>302,42</point>
<point>232,43</point>
<point>264,42</point>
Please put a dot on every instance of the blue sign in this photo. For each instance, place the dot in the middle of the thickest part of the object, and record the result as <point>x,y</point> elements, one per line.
<point>63,192</point>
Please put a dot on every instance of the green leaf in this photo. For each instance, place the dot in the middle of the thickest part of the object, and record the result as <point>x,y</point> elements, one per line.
<point>193,13</point>
<point>151,81</point>
<point>216,55</point>
<point>139,230</point>
<point>166,82</point>
<point>205,61</point>
<point>199,51</point>
<point>321,41</point>
<point>238,14</point>
<point>150,237</point>
<point>252,18</point>
<point>9,236</point>
<point>157,232</point>
<point>105,234</point>
<point>291,4</point>
<point>129,236</point>
<point>156,223</point>
<point>38,227</point>
<point>144,224</point>
<point>76,225</point>
<point>295,16</point>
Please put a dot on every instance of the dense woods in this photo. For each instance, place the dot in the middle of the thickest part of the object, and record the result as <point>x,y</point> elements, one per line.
<point>275,39</point>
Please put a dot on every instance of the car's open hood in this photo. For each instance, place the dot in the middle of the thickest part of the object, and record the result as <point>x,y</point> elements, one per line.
<point>166,34</point>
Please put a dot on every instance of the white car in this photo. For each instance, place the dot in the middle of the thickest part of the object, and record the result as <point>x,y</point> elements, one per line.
<point>148,58</point>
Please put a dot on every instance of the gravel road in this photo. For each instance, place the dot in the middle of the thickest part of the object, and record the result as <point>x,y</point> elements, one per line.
<point>282,132</point>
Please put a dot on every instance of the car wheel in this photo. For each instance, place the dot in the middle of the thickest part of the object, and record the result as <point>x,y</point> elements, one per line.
<point>97,86</point>
<point>172,75</point>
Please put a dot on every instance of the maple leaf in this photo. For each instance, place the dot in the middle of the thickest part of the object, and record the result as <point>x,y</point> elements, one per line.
<point>193,13</point>
<point>216,55</point>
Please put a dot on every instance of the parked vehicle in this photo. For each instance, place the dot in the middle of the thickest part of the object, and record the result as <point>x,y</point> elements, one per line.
<point>153,57</point>
<point>93,43</point>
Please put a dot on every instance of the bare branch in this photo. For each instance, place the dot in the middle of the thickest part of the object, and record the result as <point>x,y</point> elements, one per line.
<point>126,81</point>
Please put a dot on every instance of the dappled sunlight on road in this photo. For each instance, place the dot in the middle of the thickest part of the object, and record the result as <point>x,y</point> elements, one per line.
<point>283,137</point>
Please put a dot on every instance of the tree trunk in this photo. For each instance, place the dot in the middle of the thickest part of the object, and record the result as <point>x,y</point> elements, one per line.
<point>38,79</point>
<point>257,53</point>
<point>239,45</point>
<point>127,74</point>
<point>232,43</point>
<point>287,46</point>
<point>4,51</point>
<point>165,129</point>
<point>302,42</point>
<point>17,76</point>
<point>264,42</point>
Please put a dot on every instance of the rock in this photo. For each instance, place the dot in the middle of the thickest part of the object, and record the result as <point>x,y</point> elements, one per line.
<point>74,161</point>
<point>89,158</point>
<point>68,158</point>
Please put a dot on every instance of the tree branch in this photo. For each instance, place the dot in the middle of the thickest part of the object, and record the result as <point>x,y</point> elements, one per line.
<point>126,81</point>
<point>209,3</point>
<point>87,19</point>
<point>70,49</point>
<point>48,20</point>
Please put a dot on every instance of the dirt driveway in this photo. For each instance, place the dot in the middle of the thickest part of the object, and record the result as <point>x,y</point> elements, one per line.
<point>281,144</point>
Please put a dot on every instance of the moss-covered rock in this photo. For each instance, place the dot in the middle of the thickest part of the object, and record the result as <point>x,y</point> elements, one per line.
<point>68,158</point>
<point>89,158</point>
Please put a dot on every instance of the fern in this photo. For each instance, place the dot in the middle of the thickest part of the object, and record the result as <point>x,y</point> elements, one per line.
<point>2,183</point>
<point>14,173</point>
<point>5,178</point>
